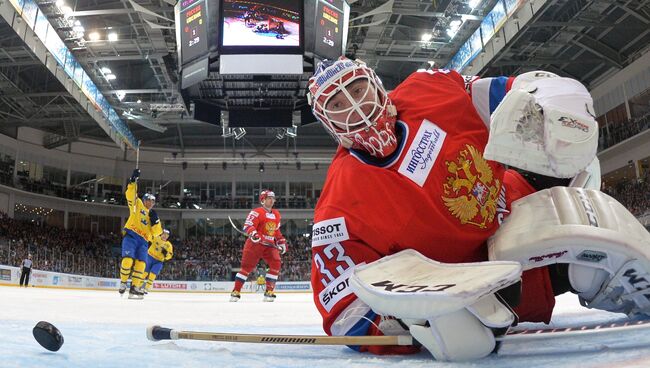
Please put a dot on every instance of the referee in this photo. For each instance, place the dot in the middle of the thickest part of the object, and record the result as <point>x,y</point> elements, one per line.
<point>26,270</point>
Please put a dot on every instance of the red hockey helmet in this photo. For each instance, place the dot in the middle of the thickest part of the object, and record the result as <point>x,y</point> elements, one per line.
<point>358,115</point>
<point>266,193</point>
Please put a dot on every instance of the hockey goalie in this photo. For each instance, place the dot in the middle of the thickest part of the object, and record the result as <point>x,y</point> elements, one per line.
<point>455,207</point>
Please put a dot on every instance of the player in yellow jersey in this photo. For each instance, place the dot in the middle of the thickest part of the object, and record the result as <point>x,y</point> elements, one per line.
<point>260,283</point>
<point>160,250</point>
<point>141,227</point>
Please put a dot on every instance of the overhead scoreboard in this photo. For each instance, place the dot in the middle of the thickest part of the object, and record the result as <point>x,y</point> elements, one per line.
<point>330,28</point>
<point>193,30</point>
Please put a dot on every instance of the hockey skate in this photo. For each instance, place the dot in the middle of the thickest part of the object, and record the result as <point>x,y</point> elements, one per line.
<point>269,296</point>
<point>235,296</point>
<point>122,288</point>
<point>135,293</point>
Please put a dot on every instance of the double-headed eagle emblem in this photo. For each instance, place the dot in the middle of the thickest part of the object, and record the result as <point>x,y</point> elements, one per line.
<point>471,192</point>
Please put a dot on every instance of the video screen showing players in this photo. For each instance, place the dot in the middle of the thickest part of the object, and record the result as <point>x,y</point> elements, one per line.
<point>261,23</point>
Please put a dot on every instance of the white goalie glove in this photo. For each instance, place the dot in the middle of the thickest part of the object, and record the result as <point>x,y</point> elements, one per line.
<point>607,249</point>
<point>451,309</point>
<point>545,125</point>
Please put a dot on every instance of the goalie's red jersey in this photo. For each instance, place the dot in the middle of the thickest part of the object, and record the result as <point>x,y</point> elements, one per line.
<point>436,194</point>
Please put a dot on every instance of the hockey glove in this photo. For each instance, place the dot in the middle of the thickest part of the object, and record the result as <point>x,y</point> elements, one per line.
<point>545,126</point>
<point>254,237</point>
<point>282,246</point>
<point>153,217</point>
<point>134,176</point>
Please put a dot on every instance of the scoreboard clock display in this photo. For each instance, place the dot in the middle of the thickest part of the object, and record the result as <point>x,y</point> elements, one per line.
<point>329,28</point>
<point>194,35</point>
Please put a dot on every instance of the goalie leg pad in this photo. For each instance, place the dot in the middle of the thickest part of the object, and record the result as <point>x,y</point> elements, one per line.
<point>607,249</point>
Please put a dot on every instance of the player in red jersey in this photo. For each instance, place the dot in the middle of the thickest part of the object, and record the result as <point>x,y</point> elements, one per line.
<point>410,174</point>
<point>265,241</point>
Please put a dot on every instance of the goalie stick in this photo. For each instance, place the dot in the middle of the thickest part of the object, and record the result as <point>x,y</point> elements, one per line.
<point>581,338</point>
<point>234,226</point>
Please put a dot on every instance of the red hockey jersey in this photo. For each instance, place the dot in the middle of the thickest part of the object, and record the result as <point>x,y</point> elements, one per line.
<point>267,225</point>
<point>436,194</point>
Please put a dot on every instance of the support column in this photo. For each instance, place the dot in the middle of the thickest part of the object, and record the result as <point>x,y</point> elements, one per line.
<point>627,103</point>
<point>181,227</point>
<point>11,205</point>
<point>66,218</point>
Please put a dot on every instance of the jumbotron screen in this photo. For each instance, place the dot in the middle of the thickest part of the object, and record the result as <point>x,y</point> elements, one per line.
<point>274,23</point>
<point>329,28</point>
<point>194,38</point>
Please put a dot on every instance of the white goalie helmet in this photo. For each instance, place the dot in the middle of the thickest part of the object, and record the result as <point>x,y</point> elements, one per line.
<point>350,100</point>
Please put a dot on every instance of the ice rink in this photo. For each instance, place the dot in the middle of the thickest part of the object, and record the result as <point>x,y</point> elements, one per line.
<point>103,330</point>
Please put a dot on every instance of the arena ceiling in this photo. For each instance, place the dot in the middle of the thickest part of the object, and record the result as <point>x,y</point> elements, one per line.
<point>582,39</point>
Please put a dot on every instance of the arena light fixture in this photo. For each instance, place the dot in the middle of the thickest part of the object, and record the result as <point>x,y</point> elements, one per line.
<point>93,36</point>
<point>473,3</point>
<point>226,132</point>
<point>454,26</point>
<point>239,133</point>
<point>112,37</point>
<point>426,37</point>
<point>66,10</point>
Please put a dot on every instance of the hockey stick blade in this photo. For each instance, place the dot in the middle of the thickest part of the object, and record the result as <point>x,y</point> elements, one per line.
<point>157,333</point>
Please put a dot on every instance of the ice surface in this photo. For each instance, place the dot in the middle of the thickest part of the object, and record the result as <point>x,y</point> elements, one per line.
<point>103,330</point>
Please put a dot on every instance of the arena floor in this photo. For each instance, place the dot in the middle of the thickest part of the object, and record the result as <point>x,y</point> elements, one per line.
<point>103,330</point>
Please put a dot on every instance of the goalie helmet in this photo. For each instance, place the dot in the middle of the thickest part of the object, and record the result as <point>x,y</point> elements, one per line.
<point>266,193</point>
<point>350,100</point>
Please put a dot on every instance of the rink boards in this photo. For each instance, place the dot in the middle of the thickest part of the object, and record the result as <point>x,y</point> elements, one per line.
<point>11,276</point>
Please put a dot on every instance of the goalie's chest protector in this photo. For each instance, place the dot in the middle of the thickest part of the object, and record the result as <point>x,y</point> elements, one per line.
<point>437,194</point>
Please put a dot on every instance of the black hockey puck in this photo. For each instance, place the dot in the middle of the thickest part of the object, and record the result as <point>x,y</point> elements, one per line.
<point>48,336</point>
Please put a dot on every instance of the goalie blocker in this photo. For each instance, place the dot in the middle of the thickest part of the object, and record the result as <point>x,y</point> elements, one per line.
<point>451,309</point>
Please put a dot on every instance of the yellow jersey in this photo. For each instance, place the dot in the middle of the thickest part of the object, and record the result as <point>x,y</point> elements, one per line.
<point>138,221</point>
<point>161,250</point>
<point>261,280</point>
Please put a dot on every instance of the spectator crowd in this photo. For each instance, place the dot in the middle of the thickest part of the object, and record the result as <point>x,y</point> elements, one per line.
<point>210,258</point>
<point>616,133</point>
<point>633,194</point>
